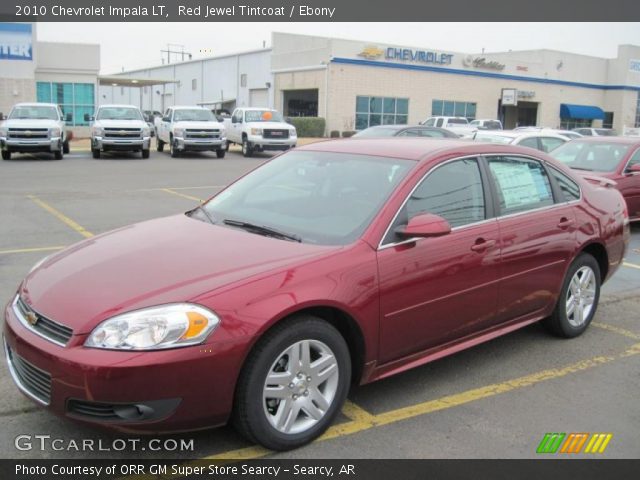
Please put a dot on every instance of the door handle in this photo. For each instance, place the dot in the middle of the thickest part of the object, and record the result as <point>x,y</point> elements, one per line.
<point>565,223</point>
<point>482,245</point>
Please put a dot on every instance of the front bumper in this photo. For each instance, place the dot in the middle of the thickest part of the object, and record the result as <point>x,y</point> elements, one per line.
<point>120,145</point>
<point>260,143</point>
<point>52,144</point>
<point>154,392</point>
<point>192,145</point>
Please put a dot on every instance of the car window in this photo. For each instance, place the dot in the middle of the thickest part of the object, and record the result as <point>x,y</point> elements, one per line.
<point>439,122</point>
<point>430,123</point>
<point>424,132</point>
<point>522,184</point>
<point>602,156</point>
<point>570,189</point>
<point>550,143</point>
<point>454,191</point>
<point>409,133</point>
<point>635,159</point>
<point>531,142</point>
<point>237,116</point>
<point>585,131</point>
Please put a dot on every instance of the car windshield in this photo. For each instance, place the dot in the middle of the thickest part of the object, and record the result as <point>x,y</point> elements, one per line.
<point>118,113</point>
<point>193,115</point>
<point>34,112</point>
<point>487,137</point>
<point>262,116</point>
<point>377,132</point>
<point>596,157</point>
<point>320,197</point>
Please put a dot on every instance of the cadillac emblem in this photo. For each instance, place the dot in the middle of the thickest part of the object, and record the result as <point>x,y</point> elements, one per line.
<point>32,318</point>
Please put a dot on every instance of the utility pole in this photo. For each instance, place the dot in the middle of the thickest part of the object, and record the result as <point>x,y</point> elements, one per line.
<point>170,50</point>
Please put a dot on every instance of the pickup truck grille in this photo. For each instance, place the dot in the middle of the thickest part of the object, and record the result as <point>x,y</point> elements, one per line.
<point>202,133</point>
<point>28,133</point>
<point>275,133</point>
<point>124,133</point>
<point>53,331</point>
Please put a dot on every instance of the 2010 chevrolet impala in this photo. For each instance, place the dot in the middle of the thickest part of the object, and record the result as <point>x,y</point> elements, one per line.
<point>336,263</point>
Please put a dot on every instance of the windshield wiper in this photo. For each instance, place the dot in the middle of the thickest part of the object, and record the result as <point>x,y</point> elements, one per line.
<point>262,230</point>
<point>583,168</point>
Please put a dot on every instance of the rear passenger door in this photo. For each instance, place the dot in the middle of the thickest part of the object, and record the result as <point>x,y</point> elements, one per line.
<point>537,234</point>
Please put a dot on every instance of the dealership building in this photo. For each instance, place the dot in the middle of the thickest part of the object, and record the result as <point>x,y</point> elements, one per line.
<point>352,84</point>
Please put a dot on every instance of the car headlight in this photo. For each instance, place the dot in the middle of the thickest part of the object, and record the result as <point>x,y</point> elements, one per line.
<point>146,132</point>
<point>54,132</point>
<point>96,131</point>
<point>4,131</point>
<point>155,328</point>
<point>178,132</point>
<point>256,131</point>
<point>293,133</point>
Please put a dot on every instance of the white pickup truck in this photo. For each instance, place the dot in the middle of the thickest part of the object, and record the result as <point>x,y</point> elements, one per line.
<point>259,129</point>
<point>194,129</point>
<point>119,128</point>
<point>34,127</point>
<point>457,125</point>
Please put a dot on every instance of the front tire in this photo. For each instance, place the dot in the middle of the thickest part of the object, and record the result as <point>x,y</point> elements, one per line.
<point>159,144</point>
<point>173,150</point>
<point>58,154</point>
<point>293,384</point>
<point>247,149</point>
<point>145,153</point>
<point>6,155</point>
<point>95,153</point>
<point>578,299</point>
<point>221,153</point>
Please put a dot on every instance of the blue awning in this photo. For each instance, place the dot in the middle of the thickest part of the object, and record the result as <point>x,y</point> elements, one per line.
<point>587,112</point>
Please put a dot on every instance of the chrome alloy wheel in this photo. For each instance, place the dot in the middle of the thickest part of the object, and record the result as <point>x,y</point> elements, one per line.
<point>300,386</point>
<point>580,296</point>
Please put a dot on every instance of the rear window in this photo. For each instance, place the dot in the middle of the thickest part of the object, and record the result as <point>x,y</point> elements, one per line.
<point>457,121</point>
<point>594,157</point>
<point>487,137</point>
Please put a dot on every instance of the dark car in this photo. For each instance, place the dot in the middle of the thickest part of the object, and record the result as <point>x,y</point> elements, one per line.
<point>615,158</point>
<point>338,262</point>
<point>405,131</point>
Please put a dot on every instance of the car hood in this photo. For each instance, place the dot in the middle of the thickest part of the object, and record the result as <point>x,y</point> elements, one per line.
<point>171,259</point>
<point>30,122</point>
<point>203,125</point>
<point>120,124</point>
<point>276,125</point>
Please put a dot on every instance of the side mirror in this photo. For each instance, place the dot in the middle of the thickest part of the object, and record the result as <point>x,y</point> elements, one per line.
<point>69,117</point>
<point>87,117</point>
<point>425,225</point>
<point>634,168</point>
<point>287,119</point>
<point>166,119</point>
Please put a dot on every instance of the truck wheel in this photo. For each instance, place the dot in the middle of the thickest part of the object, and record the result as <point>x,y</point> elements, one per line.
<point>95,152</point>
<point>6,155</point>
<point>220,153</point>
<point>247,150</point>
<point>227,147</point>
<point>173,150</point>
<point>58,154</point>
<point>145,153</point>
<point>65,147</point>
<point>159,144</point>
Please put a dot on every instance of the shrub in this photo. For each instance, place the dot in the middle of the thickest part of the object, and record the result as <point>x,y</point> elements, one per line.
<point>308,126</point>
<point>348,133</point>
<point>335,134</point>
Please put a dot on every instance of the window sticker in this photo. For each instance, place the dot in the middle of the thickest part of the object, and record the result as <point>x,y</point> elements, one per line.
<point>520,184</point>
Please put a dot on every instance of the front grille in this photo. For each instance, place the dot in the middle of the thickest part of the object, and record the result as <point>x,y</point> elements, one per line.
<point>123,133</point>
<point>43,326</point>
<point>32,380</point>
<point>273,133</point>
<point>29,133</point>
<point>202,134</point>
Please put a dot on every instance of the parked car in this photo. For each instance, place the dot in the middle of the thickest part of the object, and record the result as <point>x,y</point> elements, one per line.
<point>615,158</point>
<point>570,134</point>
<point>191,129</point>
<point>119,128</point>
<point>458,125</point>
<point>340,262</point>
<point>405,131</point>
<point>486,124</point>
<point>595,132</point>
<point>259,129</point>
<point>543,141</point>
<point>35,127</point>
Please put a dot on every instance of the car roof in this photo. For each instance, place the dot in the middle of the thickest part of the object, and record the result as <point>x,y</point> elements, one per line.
<point>257,108</point>
<point>117,105</point>
<point>520,133</point>
<point>188,107</point>
<point>410,148</point>
<point>612,139</point>
<point>35,104</point>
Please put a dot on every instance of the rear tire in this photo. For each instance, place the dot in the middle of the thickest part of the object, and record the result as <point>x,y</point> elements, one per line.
<point>6,155</point>
<point>95,153</point>
<point>221,153</point>
<point>308,363</point>
<point>159,144</point>
<point>145,153</point>
<point>578,300</point>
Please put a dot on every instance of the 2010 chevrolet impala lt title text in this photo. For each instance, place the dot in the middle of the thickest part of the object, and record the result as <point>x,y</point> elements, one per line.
<point>337,263</point>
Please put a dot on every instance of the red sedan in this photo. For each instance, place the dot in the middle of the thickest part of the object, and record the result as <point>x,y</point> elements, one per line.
<point>336,263</point>
<point>615,158</point>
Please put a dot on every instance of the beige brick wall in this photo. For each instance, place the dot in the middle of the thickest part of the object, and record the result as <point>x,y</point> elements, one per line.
<point>16,90</point>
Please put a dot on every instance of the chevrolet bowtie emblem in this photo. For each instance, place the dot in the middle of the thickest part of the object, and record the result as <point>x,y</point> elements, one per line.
<point>27,133</point>
<point>122,132</point>
<point>371,53</point>
<point>32,318</point>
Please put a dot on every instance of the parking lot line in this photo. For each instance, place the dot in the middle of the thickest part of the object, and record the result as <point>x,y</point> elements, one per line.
<point>29,250</point>
<point>61,216</point>
<point>369,421</point>
<point>631,265</point>
<point>620,331</point>
<point>188,197</point>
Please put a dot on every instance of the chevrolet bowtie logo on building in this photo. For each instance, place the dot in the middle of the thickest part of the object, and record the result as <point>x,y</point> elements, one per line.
<point>371,53</point>
<point>574,443</point>
<point>32,318</point>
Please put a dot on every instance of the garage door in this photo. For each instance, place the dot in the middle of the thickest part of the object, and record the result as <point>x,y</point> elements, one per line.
<point>259,97</point>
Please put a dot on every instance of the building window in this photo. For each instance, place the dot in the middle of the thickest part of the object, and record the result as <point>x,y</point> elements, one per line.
<point>569,123</point>
<point>372,111</point>
<point>450,108</point>
<point>194,84</point>
<point>74,98</point>
<point>243,80</point>
<point>607,122</point>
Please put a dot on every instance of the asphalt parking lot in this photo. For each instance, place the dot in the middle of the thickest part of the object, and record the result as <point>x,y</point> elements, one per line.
<point>496,400</point>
